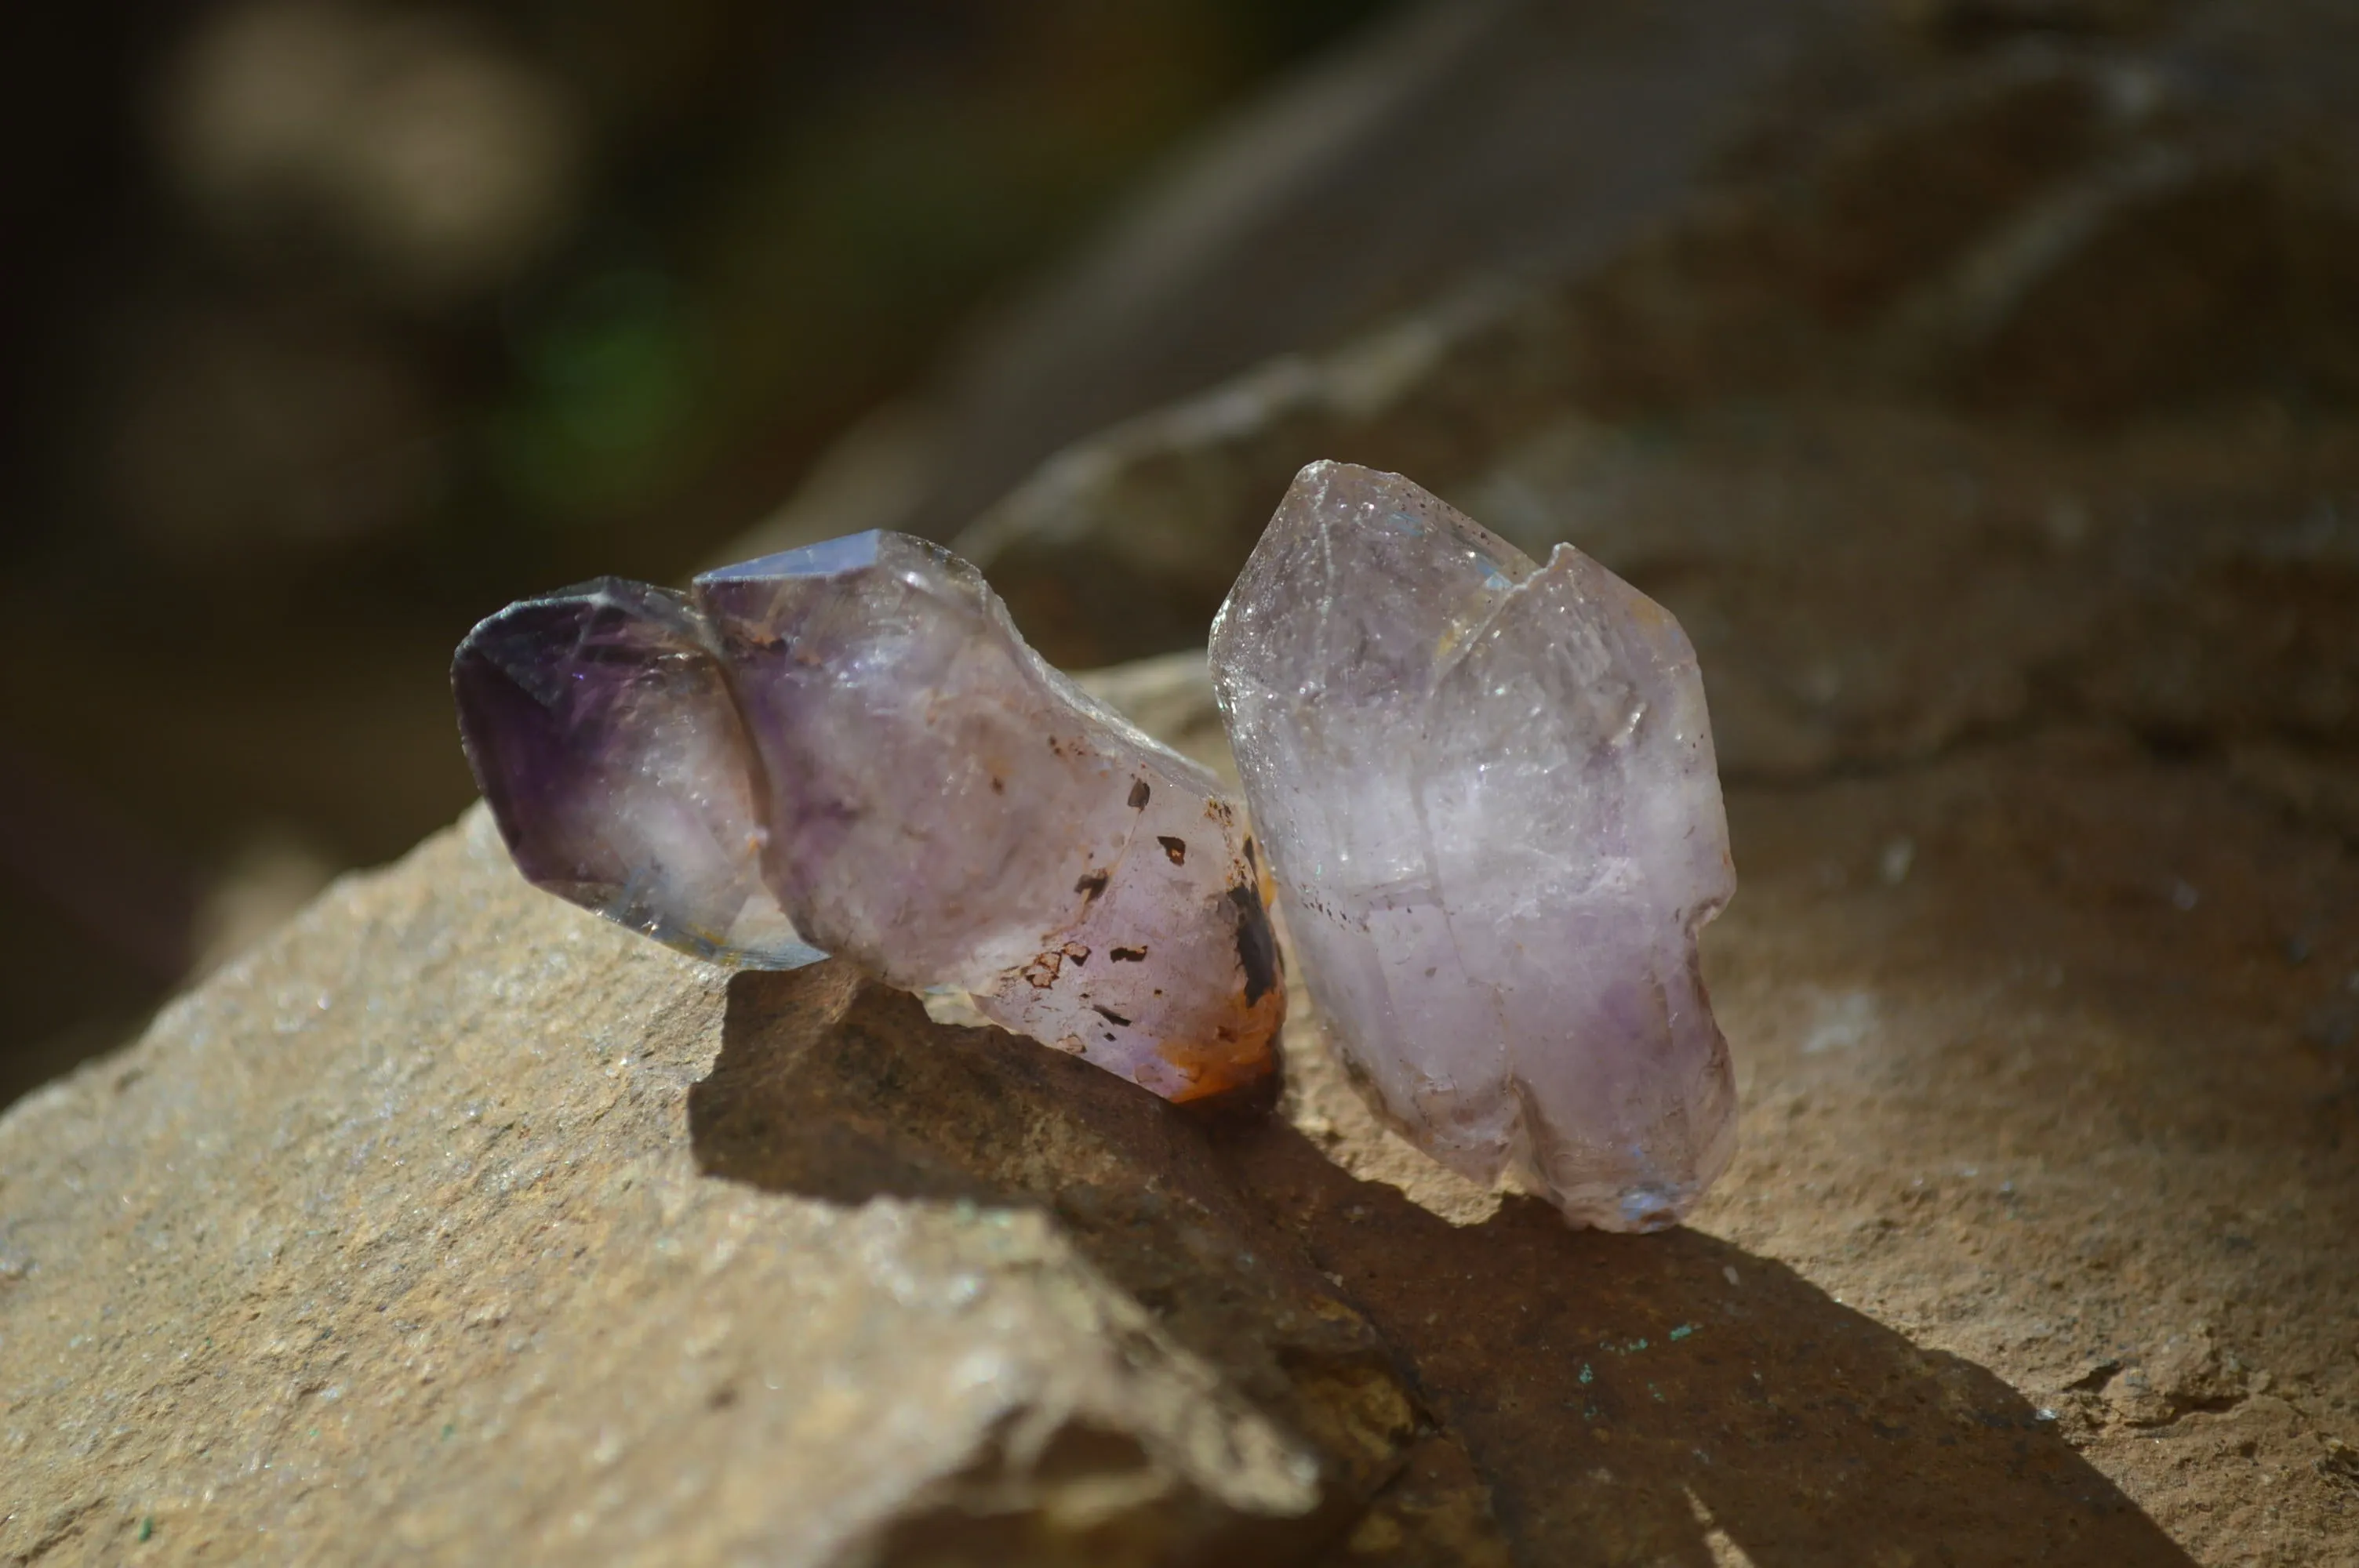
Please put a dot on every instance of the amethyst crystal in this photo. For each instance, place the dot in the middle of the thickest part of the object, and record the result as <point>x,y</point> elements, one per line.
<point>1488,795</point>
<point>602,733</point>
<point>857,732</point>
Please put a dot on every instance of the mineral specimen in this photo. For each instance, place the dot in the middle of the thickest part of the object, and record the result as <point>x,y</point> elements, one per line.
<point>602,733</point>
<point>1487,793</point>
<point>857,732</point>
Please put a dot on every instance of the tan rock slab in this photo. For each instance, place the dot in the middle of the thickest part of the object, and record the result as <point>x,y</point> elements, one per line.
<point>391,1242</point>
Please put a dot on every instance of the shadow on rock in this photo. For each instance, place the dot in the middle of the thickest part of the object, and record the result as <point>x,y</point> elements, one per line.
<point>1664,1399</point>
<point>1600,1398</point>
<point>831,1086</point>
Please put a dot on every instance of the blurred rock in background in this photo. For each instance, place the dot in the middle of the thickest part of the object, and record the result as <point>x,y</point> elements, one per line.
<point>330,326</point>
<point>2058,225</point>
<point>428,161</point>
<point>1500,138</point>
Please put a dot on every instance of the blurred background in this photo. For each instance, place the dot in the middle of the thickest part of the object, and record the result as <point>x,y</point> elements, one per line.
<point>1953,368</point>
<point>331,327</point>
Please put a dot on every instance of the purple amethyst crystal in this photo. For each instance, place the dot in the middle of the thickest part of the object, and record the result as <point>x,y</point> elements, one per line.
<point>602,734</point>
<point>1488,790</point>
<point>858,728</point>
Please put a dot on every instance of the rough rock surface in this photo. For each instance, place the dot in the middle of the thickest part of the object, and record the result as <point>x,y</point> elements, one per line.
<point>458,1223</point>
<point>2049,1048</point>
<point>397,1240</point>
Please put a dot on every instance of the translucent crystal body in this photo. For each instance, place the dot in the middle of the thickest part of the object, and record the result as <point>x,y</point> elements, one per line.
<point>859,733</point>
<point>1487,792</point>
<point>602,732</point>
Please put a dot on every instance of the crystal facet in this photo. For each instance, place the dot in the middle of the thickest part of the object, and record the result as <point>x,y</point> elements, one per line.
<point>602,733</point>
<point>1487,793</point>
<point>857,731</point>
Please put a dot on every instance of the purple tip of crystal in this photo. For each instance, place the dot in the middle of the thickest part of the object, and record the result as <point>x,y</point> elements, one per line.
<point>599,726</point>
<point>830,558</point>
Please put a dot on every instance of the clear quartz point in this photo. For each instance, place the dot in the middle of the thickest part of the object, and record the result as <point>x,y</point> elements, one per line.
<point>1487,792</point>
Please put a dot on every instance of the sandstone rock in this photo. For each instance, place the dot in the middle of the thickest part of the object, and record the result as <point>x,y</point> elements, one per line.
<point>392,1242</point>
<point>2016,1106</point>
<point>606,1198</point>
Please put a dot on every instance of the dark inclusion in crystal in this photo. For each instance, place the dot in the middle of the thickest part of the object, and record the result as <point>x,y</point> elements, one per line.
<point>853,742</point>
